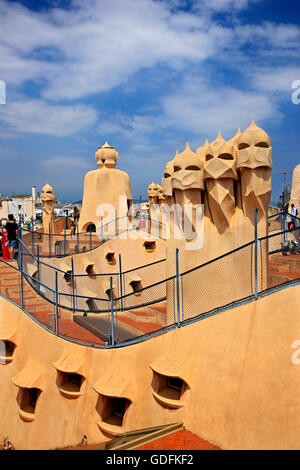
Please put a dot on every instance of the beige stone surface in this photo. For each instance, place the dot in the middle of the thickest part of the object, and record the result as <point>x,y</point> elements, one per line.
<point>242,386</point>
<point>232,179</point>
<point>103,188</point>
<point>295,194</point>
<point>48,199</point>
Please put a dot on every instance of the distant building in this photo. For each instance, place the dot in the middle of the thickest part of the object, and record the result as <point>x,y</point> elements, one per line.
<point>62,209</point>
<point>20,205</point>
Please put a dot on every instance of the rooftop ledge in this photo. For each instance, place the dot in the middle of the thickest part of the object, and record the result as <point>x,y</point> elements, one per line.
<point>170,402</point>
<point>109,428</point>
<point>70,391</point>
<point>26,415</point>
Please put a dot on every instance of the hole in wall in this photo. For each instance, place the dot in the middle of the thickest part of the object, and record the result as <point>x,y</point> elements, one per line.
<point>7,349</point>
<point>27,399</point>
<point>150,246</point>
<point>136,286</point>
<point>110,258</point>
<point>90,271</point>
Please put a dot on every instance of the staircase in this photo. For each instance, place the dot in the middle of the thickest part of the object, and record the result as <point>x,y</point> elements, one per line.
<point>39,308</point>
<point>283,269</point>
<point>127,325</point>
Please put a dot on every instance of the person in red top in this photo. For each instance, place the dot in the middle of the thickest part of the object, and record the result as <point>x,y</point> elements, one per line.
<point>12,230</point>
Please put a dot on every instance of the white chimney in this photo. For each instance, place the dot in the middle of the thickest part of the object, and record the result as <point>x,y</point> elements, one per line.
<point>33,193</point>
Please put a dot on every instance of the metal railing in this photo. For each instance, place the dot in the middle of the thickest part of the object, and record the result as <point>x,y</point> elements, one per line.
<point>52,245</point>
<point>243,275</point>
<point>80,292</point>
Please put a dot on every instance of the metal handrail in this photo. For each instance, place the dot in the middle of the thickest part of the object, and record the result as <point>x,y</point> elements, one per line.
<point>87,233</point>
<point>85,275</point>
<point>114,307</point>
<point>131,294</point>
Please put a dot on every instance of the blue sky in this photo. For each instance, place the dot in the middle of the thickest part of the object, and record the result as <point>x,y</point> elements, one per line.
<point>145,75</point>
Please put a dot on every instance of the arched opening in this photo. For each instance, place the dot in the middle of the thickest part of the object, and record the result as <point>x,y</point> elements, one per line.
<point>193,168</point>
<point>113,410</point>
<point>91,305</point>
<point>90,271</point>
<point>226,156</point>
<point>27,398</point>
<point>136,286</point>
<point>91,227</point>
<point>169,390</point>
<point>243,145</point>
<point>7,349</point>
<point>110,258</point>
<point>70,383</point>
<point>68,277</point>
<point>108,293</point>
<point>262,145</point>
<point>150,246</point>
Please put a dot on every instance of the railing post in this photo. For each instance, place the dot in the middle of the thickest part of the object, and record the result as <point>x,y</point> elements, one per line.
<point>21,270</point>
<point>73,284</point>
<point>32,235</point>
<point>56,303</point>
<point>65,241</point>
<point>38,262</point>
<point>177,287</point>
<point>77,240</point>
<point>284,215</point>
<point>102,237</point>
<point>49,239</point>
<point>255,251</point>
<point>121,282</point>
<point>112,312</point>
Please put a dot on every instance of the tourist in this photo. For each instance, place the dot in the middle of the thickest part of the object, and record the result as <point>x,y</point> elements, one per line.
<point>76,215</point>
<point>294,213</point>
<point>12,230</point>
<point>73,228</point>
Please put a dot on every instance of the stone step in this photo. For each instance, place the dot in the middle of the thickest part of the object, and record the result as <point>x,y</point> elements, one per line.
<point>9,282</point>
<point>100,326</point>
<point>37,307</point>
<point>8,272</point>
<point>279,268</point>
<point>26,290</point>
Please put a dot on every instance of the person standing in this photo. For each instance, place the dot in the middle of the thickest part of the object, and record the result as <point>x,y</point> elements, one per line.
<point>294,211</point>
<point>12,230</point>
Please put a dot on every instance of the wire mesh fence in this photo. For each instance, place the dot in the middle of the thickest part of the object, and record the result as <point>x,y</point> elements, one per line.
<point>71,241</point>
<point>126,306</point>
<point>142,312</point>
<point>225,280</point>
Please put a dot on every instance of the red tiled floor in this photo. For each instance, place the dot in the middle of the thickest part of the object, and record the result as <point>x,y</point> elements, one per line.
<point>142,327</point>
<point>41,309</point>
<point>179,440</point>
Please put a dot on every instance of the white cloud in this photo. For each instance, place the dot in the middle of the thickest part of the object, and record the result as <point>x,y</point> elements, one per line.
<point>101,43</point>
<point>279,37</point>
<point>275,79</point>
<point>40,117</point>
<point>202,109</point>
<point>196,110</point>
<point>225,5</point>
